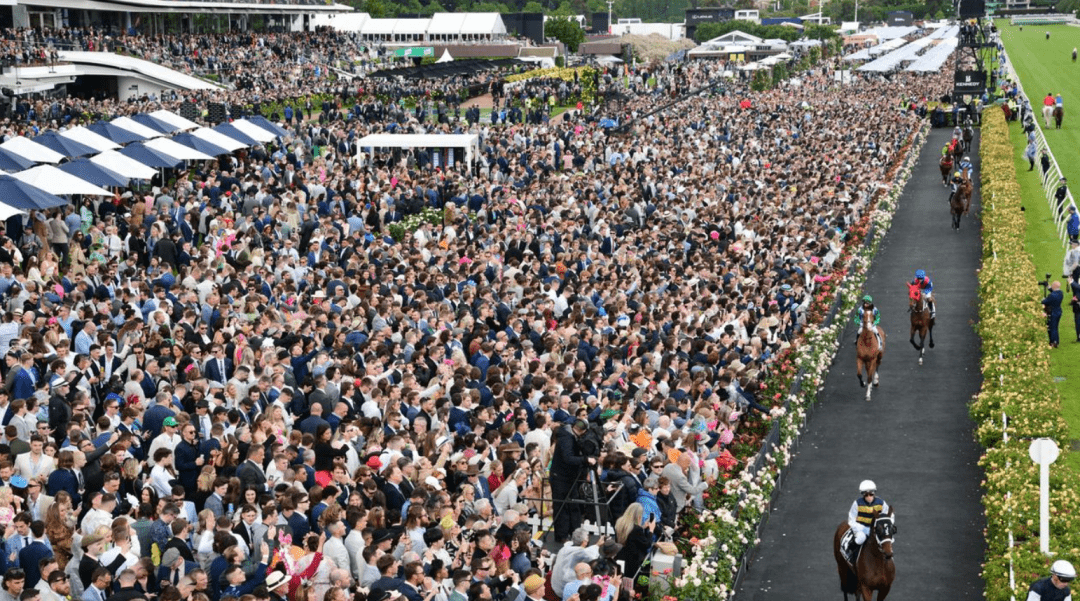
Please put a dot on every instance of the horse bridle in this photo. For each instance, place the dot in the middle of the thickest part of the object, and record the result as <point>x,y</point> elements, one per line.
<point>890,531</point>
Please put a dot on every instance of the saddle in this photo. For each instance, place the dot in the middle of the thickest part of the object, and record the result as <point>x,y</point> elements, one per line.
<point>850,549</point>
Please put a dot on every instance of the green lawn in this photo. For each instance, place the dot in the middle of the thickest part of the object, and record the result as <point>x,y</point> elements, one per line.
<point>1046,66</point>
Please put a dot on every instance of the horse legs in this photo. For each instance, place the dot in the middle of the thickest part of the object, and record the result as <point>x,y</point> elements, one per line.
<point>859,370</point>
<point>918,347</point>
<point>931,332</point>
<point>883,592</point>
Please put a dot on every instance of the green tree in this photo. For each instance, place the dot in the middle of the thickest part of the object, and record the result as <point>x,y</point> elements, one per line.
<point>708,31</point>
<point>432,8</point>
<point>532,6</point>
<point>564,10</point>
<point>566,31</point>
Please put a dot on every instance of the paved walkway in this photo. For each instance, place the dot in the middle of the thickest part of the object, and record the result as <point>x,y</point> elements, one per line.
<point>914,439</point>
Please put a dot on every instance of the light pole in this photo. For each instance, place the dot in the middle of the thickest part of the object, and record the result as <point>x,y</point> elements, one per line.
<point>609,23</point>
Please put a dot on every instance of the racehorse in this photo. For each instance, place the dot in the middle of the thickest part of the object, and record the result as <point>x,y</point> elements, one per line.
<point>958,150</point>
<point>960,201</point>
<point>868,352</point>
<point>946,165</point>
<point>921,321</point>
<point>1059,115</point>
<point>874,569</point>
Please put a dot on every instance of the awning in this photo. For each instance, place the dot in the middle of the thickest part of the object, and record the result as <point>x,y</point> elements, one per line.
<point>87,170</point>
<point>21,195</point>
<point>124,165</point>
<point>32,151</point>
<point>84,136</point>
<point>138,128</point>
<point>233,133</point>
<point>114,133</point>
<point>414,52</point>
<point>220,139</point>
<point>162,127</point>
<point>269,126</point>
<point>65,146</point>
<point>8,211</point>
<point>9,161</point>
<point>54,181</point>
<point>179,151</point>
<point>249,129</point>
<point>175,120</point>
<point>149,156</point>
<point>192,141</point>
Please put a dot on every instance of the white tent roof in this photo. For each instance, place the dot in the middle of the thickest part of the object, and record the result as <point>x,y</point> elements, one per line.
<point>483,23</point>
<point>31,150</point>
<point>253,131</point>
<point>411,26</point>
<point>379,27</point>
<point>177,150</point>
<point>736,37</point>
<point>446,23</point>
<point>174,120</point>
<point>418,141</point>
<point>218,139</point>
<point>8,211</point>
<point>135,127</point>
<point>445,58</point>
<point>54,181</point>
<point>125,166</point>
<point>91,139</point>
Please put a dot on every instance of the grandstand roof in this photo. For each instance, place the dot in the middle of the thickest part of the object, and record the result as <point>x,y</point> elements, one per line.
<point>188,6</point>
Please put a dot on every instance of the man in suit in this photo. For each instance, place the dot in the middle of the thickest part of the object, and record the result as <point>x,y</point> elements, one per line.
<point>174,567</point>
<point>387,565</point>
<point>218,367</point>
<point>318,396</point>
<point>126,590</point>
<point>31,555</point>
<point>19,541</point>
<point>395,499</point>
<point>181,531</point>
<point>354,543</point>
<point>98,588</point>
<point>35,465</point>
<point>249,529</point>
<point>37,502</point>
<point>215,502</point>
<point>110,363</point>
<point>188,460</point>
<point>251,472</point>
<point>334,548</point>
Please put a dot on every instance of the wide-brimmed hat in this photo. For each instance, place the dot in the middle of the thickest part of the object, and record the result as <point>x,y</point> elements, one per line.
<point>275,579</point>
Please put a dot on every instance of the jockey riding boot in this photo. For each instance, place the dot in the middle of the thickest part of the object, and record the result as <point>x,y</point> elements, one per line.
<point>933,310</point>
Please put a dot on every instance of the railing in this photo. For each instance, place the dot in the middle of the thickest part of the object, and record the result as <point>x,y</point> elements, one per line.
<point>1052,175</point>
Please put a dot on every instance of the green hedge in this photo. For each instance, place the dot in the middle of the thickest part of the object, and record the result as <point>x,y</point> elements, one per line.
<point>1016,383</point>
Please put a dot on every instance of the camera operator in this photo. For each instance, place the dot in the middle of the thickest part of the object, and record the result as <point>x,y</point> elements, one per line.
<point>568,465</point>
<point>1052,306</point>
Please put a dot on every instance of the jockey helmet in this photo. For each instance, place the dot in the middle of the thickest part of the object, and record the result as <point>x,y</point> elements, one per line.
<point>957,175</point>
<point>868,486</point>
<point>920,274</point>
<point>1063,570</point>
<point>868,299</point>
<point>967,158</point>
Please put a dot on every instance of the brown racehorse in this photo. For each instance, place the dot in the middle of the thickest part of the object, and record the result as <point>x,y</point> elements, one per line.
<point>921,321</point>
<point>1059,116</point>
<point>874,570</point>
<point>946,164</point>
<point>868,352</point>
<point>960,201</point>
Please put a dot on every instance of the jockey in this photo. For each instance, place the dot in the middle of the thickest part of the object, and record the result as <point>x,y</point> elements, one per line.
<point>957,180</point>
<point>861,515</point>
<point>923,282</point>
<point>868,303</point>
<point>965,166</point>
<point>1056,586</point>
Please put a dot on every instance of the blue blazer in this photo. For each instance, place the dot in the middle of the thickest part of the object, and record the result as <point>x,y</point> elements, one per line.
<point>214,373</point>
<point>29,558</point>
<point>165,571</point>
<point>64,480</point>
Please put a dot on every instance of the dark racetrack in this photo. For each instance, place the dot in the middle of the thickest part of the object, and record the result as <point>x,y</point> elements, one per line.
<point>914,439</point>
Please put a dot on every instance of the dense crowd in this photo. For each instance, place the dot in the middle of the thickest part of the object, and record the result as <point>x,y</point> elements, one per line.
<point>249,382</point>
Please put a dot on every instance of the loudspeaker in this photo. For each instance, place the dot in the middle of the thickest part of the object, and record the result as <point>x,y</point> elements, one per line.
<point>189,110</point>
<point>215,112</point>
<point>600,23</point>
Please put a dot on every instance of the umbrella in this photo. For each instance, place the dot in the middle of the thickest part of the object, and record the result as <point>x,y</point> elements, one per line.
<point>154,123</point>
<point>192,141</point>
<point>31,151</point>
<point>21,195</point>
<point>150,157</point>
<point>265,123</point>
<point>9,161</point>
<point>95,174</point>
<point>8,211</point>
<point>114,133</point>
<point>135,127</point>
<point>177,150</point>
<point>173,119</point>
<point>252,131</point>
<point>123,165</point>
<point>65,146</point>
<point>52,180</point>
<point>218,138</point>
<point>96,141</point>
<point>229,130</point>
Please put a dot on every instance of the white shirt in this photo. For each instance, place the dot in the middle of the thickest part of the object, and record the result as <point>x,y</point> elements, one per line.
<point>160,479</point>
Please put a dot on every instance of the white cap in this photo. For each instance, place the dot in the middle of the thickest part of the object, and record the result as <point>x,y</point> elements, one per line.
<point>866,485</point>
<point>1063,569</point>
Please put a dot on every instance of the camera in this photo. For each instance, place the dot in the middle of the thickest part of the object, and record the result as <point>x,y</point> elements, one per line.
<point>1044,283</point>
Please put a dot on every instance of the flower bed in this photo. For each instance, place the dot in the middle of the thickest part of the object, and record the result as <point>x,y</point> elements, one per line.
<point>564,73</point>
<point>720,537</point>
<point>1017,389</point>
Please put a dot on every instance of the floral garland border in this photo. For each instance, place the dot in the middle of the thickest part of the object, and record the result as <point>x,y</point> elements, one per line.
<point>719,558</point>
